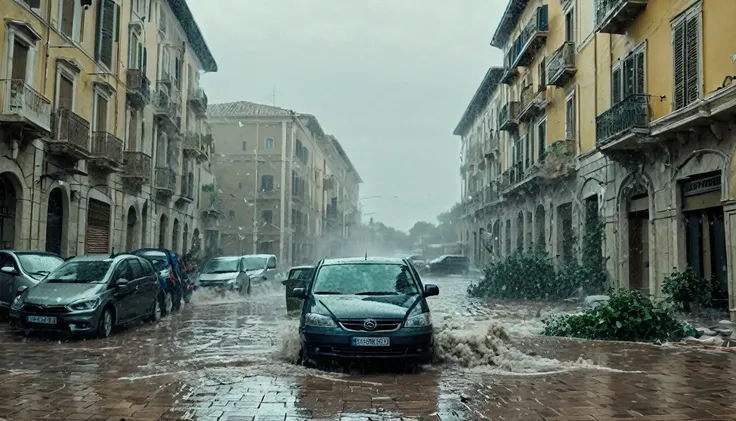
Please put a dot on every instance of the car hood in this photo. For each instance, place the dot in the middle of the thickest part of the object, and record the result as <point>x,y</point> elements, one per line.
<point>218,276</point>
<point>61,294</point>
<point>361,306</point>
<point>255,272</point>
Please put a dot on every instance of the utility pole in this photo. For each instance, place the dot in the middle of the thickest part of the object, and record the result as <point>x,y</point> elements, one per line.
<point>257,193</point>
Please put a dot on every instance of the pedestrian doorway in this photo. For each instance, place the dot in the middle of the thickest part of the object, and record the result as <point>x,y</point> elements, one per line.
<point>8,205</point>
<point>54,221</point>
<point>638,219</point>
<point>97,235</point>
<point>705,233</point>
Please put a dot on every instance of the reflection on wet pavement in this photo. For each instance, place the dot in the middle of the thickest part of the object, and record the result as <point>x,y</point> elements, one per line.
<point>219,360</point>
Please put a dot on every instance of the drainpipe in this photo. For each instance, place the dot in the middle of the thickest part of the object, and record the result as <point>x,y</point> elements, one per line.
<point>47,47</point>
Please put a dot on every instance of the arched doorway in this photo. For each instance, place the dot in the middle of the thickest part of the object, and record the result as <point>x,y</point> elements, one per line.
<point>540,221</point>
<point>132,226</point>
<point>175,236</point>
<point>185,245</point>
<point>144,228</point>
<point>163,229</point>
<point>8,210</point>
<point>634,208</point>
<point>54,221</point>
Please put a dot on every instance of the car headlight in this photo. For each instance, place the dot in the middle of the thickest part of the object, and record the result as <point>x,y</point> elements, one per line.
<point>318,320</point>
<point>419,320</point>
<point>84,305</point>
<point>17,303</point>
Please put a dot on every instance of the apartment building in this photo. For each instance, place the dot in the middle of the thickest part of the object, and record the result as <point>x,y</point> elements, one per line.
<point>100,114</point>
<point>284,186</point>
<point>613,110</point>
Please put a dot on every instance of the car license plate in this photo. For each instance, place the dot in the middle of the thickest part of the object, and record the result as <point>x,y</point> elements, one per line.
<point>46,320</point>
<point>371,341</point>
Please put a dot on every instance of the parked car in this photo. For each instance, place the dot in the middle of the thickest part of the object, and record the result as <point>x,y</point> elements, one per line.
<point>448,265</point>
<point>366,308</point>
<point>169,268</point>
<point>225,273</point>
<point>418,262</point>
<point>90,295</point>
<point>260,267</point>
<point>23,269</point>
<point>297,278</point>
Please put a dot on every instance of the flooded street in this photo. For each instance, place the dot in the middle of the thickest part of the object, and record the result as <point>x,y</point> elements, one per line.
<point>228,359</point>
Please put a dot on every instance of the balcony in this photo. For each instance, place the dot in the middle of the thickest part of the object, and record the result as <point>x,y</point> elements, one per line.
<point>107,151</point>
<point>187,187</point>
<point>198,100</point>
<point>532,102</point>
<point>530,41</point>
<point>559,159</point>
<point>24,107</point>
<point>166,109</point>
<point>615,16</point>
<point>165,181</point>
<point>139,88</point>
<point>624,123</point>
<point>268,194</point>
<point>136,167</point>
<point>70,136</point>
<point>508,117</point>
<point>561,65</point>
<point>194,146</point>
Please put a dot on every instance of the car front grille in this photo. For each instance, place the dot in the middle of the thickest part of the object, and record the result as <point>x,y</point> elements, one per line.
<point>38,309</point>
<point>358,325</point>
<point>348,350</point>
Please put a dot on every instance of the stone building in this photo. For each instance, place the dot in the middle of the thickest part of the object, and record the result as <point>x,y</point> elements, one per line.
<point>618,111</point>
<point>286,187</point>
<point>103,133</point>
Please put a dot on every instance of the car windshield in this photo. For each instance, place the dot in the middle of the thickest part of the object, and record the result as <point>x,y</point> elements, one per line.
<point>81,272</point>
<point>221,265</point>
<point>39,265</point>
<point>158,260</point>
<point>365,279</point>
<point>254,262</point>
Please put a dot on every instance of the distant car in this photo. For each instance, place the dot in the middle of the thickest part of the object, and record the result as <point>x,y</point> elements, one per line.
<point>418,262</point>
<point>173,280</point>
<point>366,308</point>
<point>226,273</point>
<point>23,269</point>
<point>90,295</point>
<point>448,265</point>
<point>260,267</point>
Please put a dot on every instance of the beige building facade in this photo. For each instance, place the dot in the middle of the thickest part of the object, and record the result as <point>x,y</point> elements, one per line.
<point>103,135</point>
<point>284,186</point>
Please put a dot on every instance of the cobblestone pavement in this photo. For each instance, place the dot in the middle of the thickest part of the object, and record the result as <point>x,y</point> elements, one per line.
<point>215,361</point>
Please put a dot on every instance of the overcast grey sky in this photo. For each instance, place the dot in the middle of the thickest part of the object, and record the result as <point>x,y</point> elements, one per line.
<point>389,78</point>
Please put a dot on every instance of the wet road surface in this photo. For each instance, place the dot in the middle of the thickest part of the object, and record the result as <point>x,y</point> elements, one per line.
<point>222,359</point>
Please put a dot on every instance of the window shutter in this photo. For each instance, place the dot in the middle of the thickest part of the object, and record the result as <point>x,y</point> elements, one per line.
<point>616,86</point>
<point>639,61</point>
<point>107,25</point>
<point>692,54</point>
<point>678,53</point>
<point>629,76</point>
<point>144,60</point>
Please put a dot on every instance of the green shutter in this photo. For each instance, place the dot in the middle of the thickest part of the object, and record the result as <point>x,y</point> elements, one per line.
<point>678,54</point>
<point>640,73</point>
<point>692,59</point>
<point>616,86</point>
<point>107,28</point>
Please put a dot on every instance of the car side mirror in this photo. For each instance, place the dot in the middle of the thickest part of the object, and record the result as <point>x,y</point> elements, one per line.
<point>271,266</point>
<point>431,290</point>
<point>122,282</point>
<point>9,270</point>
<point>21,289</point>
<point>300,293</point>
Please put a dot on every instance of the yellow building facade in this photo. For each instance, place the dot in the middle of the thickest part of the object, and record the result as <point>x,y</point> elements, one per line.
<point>621,111</point>
<point>82,124</point>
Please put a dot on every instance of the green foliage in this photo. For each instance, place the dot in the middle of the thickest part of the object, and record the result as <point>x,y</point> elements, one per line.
<point>687,287</point>
<point>525,276</point>
<point>628,316</point>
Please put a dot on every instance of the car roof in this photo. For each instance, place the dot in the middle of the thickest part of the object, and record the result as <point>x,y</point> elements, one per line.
<point>38,252</point>
<point>301,267</point>
<point>259,255</point>
<point>101,258</point>
<point>363,260</point>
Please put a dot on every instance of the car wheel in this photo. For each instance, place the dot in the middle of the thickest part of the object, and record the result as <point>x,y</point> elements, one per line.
<point>155,311</point>
<point>105,324</point>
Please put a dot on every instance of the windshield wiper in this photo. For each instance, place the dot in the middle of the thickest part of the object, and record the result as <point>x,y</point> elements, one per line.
<point>328,293</point>
<point>377,293</point>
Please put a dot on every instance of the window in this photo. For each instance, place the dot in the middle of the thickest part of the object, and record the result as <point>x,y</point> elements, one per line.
<point>34,4</point>
<point>108,25</point>
<point>139,7</point>
<point>240,186</point>
<point>136,52</point>
<point>19,69</point>
<point>570,26</point>
<point>64,90</point>
<point>686,54</point>
<point>628,76</point>
<point>232,214</point>
<point>244,145</point>
<point>100,113</point>
<point>541,138</point>
<point>133,122</point>
<point>66,17</point>
<point>267,216</point>
<point>269,143</point>
<point>570,116</point>
<point>265,247</point>
<point>267,183</point>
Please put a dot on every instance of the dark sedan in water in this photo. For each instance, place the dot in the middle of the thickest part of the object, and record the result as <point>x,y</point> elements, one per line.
<point>90,295</point>
<point>366,308</point>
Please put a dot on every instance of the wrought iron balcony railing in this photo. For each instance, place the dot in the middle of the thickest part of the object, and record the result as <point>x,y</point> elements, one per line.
<point>106,149</point>
<point>615,16</point>
<point>187,186</point>
<point>198,98</point>
<point>165,180</point>
<point>508,116</point>
<point>561,65</point>
<point>622,118</point>
<point>70,134</point>
<point>23,104</point>
<point>139,87</point>
<point>137,165</point>
<point>532,37</point>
